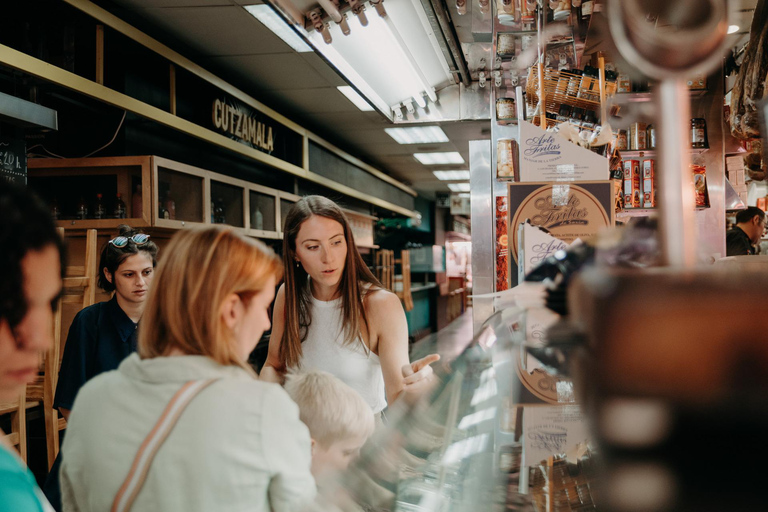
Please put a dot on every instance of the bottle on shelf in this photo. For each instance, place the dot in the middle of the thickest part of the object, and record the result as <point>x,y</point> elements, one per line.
<point>137,205</point>
<point>55,211</point>
<point>170,205</point>
<point>257,219</point>
<point>220,214</point>
<point>81,210</point>
<point>162,211</point>
<point>118,212</point>
<point>99,212</point>
<point>651,137</point>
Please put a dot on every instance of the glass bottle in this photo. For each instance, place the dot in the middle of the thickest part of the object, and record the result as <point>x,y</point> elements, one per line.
<point>651,137</point>
<point>257,219</point>
<point>81,210</point>
<point>119,210</point>
<point>99,212</point>
<point>220,214</point>
<point>170,205</point>
<point>137,205</point>
<point>55,212</point>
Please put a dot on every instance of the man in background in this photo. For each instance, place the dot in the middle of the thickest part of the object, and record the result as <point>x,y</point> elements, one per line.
<point>749,228</point>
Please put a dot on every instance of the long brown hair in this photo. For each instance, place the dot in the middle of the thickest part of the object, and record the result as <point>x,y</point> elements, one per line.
<point>199,269</point>
<point>298,295</point>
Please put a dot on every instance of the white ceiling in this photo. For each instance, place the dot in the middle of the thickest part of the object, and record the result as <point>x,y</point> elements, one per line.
<point>223,37</point>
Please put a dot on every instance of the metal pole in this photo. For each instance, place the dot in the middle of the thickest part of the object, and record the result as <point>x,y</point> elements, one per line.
<point>677,222</point>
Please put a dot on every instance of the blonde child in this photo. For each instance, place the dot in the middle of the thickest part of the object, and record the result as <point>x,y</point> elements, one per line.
<point>339,420</point>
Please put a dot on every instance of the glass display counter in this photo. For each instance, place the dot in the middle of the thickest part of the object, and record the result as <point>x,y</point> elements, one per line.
<point>501,431</point>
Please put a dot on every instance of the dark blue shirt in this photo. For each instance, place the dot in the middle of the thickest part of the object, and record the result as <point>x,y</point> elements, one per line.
<point>100,337</point>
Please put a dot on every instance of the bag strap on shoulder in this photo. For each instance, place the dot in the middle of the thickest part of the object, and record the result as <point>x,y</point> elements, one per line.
<point>152,443</point>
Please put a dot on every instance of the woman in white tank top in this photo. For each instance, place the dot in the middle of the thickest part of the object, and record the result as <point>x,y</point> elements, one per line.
<point>332,314</point>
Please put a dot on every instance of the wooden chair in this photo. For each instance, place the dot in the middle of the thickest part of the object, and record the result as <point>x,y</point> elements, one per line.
<point>79,288</point>
<point>405,279</point>
<point>18,435</point>
<point>385,268</point>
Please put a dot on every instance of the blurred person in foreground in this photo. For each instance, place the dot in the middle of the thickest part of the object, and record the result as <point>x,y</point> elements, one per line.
<point>184,424</point>
<point>746,233</point>
<point>31,265</point>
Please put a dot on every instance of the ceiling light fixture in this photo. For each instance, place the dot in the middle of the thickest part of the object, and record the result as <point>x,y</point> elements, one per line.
<point>391,57</point>
<point>270,19</point>
<point>451,175</point>
<point>458,187</point>
<point>732,29</point>
<point>355,98</point>
<point>452,157</point>
<point>417,135</point>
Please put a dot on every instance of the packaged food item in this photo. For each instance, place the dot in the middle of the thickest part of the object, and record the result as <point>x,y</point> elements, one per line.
<point>651,137</point>
<point>699,133</point>
<point>505,44</point>
<point>505,158</point>
<point>637,137</point>
<point>621,140</point>
<point>623,84</point>
<point>649,184</point>
<point>700,186</point>
<point>631,184</point>
<point>505,109</point>
<point>564,114</point>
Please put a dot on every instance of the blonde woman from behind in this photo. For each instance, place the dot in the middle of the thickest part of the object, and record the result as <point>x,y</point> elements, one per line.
<point>238,443</point>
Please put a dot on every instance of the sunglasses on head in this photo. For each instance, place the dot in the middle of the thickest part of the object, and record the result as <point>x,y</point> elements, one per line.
<point>138,239</point>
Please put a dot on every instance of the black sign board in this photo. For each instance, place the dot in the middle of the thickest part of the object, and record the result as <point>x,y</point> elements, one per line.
<point>13,160</point>
<point>206,105</point>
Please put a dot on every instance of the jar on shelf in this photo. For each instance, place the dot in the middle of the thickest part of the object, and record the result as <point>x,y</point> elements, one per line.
<point>699,133</point>
<point>621,140</point>
<point>505,109</point>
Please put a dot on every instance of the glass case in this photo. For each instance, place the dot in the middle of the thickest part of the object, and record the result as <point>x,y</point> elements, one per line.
<point>227,204</point>
<point>179,194</point>
<point>263,212</point>
<point>486,438</point>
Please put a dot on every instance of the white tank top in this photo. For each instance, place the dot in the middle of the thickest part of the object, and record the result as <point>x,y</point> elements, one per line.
<point>324,350</point>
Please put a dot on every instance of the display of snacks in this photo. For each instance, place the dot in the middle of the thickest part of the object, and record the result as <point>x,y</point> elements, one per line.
<point>700,186</point>
<point>632,184</point>
<point>649,184</point>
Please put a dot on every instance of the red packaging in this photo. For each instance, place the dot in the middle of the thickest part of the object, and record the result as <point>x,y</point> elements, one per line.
<point>649,184</point>
<point>502,249</point>
<point>700,186</point>
<point>632,184</point>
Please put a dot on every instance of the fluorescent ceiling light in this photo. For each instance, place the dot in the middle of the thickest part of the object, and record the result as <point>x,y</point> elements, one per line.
<point>458,187</point>
<point>355,98</point>
<point>451,175</point>
<point>452,157</point>
<point>417,135</point>
<point>732,29</point>
<point>276,24</point>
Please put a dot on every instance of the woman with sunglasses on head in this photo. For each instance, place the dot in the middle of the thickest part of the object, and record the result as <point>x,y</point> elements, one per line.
<point>104,334</point>
<point>332,314</point>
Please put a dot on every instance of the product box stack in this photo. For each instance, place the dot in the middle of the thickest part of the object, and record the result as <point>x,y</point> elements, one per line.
<point>735,166</point>
<point>639,184</point>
